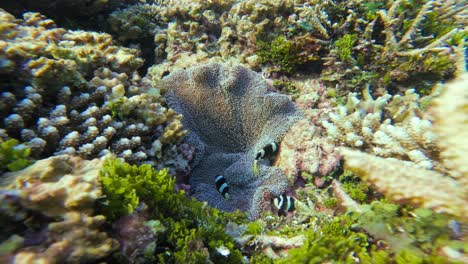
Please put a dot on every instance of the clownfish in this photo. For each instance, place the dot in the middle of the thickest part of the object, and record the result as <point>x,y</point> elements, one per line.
<point>222,186</point>
<point>284,203</point>
<point>268,151</point>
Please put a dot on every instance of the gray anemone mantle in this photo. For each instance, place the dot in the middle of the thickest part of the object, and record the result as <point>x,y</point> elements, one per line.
<point>230,116</point>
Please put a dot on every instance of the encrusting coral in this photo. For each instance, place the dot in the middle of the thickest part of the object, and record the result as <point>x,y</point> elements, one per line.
<point>230,117</point>
<point>96,105</point>
<point>57,195</point>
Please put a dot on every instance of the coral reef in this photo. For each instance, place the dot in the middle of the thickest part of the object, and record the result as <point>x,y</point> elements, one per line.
<point>54,198</point>
<point>359,126</point>
<point>189,32</point>
<point>230,117</point>
<point>96,105</point>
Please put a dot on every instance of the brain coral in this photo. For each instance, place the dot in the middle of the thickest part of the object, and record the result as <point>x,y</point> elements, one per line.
<point>230,117</point>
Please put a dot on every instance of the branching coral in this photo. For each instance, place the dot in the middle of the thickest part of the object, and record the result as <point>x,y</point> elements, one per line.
<point>230,117</point>
<point>404,43</point>
<point>405,182</point>
<point>451,119</point>
<point>388,128</point>
<point>408,183</point>
<point>419,40</point>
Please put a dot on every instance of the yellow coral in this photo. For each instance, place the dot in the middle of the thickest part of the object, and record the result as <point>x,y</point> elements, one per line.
<point>56,185</point>
<point>451,125</point>
<point>407,183</point>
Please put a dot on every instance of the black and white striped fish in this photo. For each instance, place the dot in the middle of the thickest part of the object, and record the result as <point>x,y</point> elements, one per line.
<point>268,152</point>
<point>284,203</point>
<point>222,186</point>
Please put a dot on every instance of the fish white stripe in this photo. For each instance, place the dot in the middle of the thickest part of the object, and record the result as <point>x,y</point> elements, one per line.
<point>223,186</point>
<point>218,178</point>
<point>289,203</point>
<point>273,147</point>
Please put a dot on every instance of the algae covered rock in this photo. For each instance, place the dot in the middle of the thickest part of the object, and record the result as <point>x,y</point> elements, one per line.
<point>231,117</point>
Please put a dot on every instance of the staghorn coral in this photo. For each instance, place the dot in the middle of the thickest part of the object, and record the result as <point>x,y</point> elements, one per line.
<point>405,182</point>
<point>98,104</point>
<point>408,183</point>
<point>230,117</point>
<point>57,195</point>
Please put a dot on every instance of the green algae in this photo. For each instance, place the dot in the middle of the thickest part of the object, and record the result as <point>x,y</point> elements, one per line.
<point>190,231</point>
<point>13,157</point>
<point>344,46</point>
<point>286,87</point>
<point>279,52</point>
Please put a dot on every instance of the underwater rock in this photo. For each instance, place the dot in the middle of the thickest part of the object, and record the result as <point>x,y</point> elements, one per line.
<point>230,117</point>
